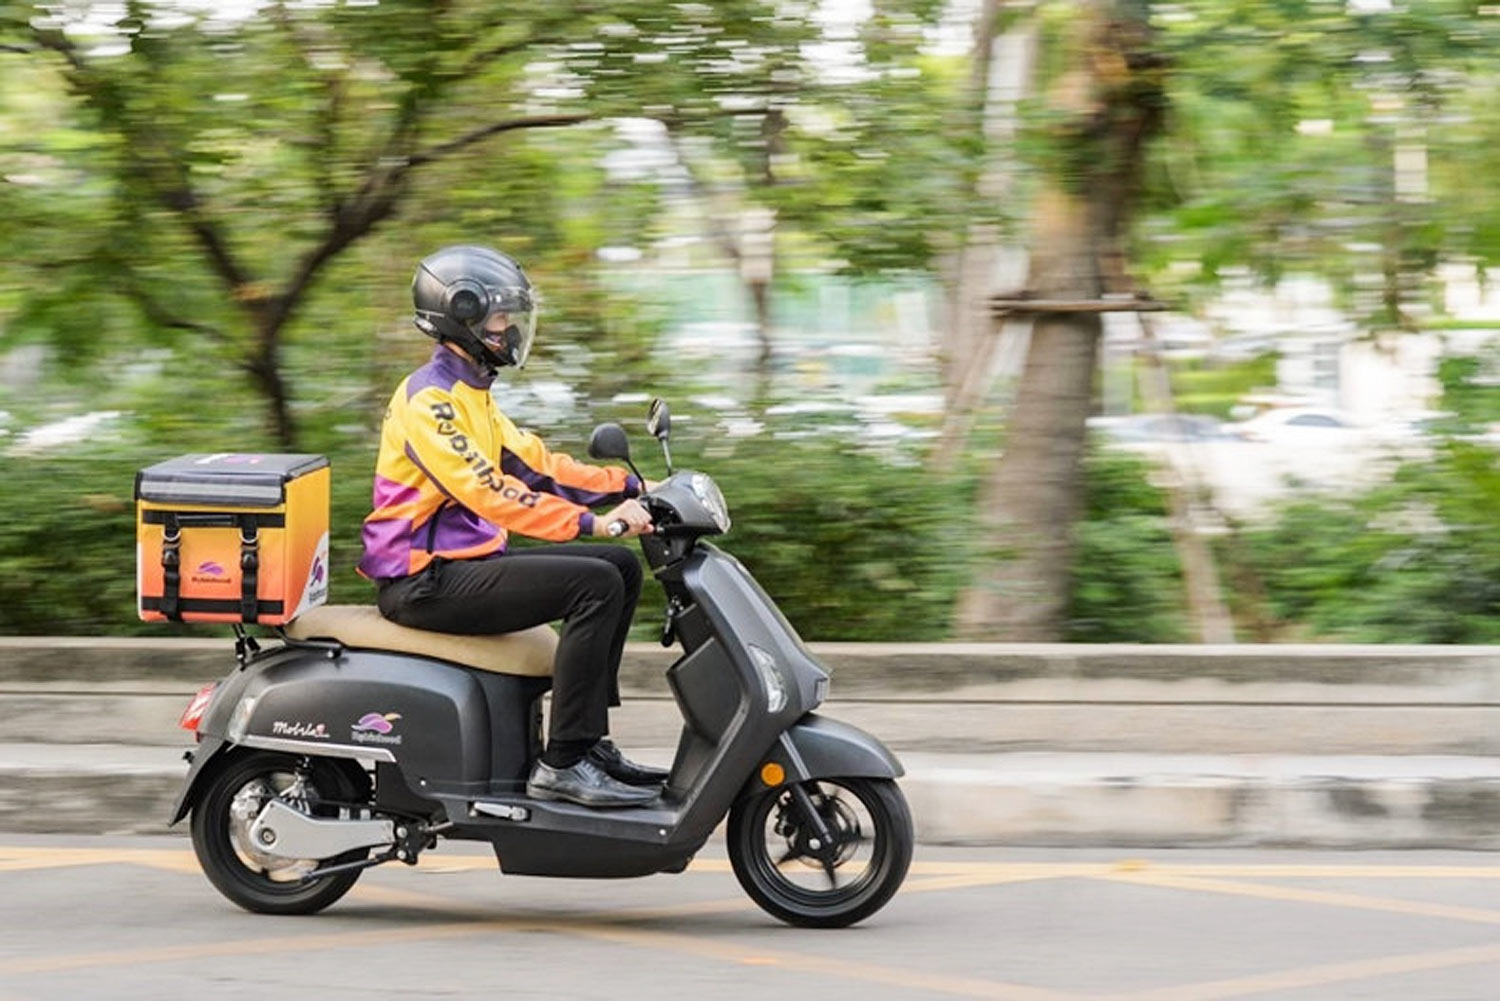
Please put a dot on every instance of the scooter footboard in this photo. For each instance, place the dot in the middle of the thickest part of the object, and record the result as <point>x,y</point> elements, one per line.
<point>818,747</point>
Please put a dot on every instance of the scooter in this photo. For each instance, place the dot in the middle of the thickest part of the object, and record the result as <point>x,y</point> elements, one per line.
<point>324,755</point>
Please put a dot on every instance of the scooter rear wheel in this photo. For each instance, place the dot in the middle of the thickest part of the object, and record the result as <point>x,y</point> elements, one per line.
<point>221,823</point>
<point>793,875</point>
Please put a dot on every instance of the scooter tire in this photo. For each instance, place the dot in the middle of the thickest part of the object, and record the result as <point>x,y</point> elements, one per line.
<point>761,876</point>
<point>237,876</point>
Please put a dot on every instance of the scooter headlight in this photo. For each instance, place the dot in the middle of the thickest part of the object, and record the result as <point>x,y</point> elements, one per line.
<point>765,665</point>
<point>712,499</point>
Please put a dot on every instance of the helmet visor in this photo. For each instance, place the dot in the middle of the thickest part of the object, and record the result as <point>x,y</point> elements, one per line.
<point>510,326</point>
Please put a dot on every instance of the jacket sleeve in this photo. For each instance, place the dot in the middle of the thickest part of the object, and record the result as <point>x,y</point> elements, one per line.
<point>525,457</point>
<point>446,450</point>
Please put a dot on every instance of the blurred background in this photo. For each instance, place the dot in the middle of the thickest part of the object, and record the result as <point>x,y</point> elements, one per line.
<point>1050,321</point>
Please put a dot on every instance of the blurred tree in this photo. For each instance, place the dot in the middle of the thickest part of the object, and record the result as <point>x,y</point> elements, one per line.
<point>1101,108</point>
<point>1340,140</point>
<point>243,156</point>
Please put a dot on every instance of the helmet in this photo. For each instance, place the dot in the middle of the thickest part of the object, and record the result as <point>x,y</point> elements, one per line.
<point>479,299</point>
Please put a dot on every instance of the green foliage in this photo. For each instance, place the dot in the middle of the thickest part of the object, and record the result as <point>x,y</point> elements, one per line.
<point>1127,582</point>
<point>1413,561</point>
<point>1286,120</point>
<point>1471,393</point>
<point>1200,387</point>
<point>850,546</point>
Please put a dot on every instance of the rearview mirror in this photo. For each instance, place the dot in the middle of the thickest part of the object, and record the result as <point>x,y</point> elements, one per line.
<point>609,442</point>
<point>659,420</point>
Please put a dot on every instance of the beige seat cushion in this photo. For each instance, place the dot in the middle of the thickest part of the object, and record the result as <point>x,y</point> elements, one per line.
<point>527,652</point>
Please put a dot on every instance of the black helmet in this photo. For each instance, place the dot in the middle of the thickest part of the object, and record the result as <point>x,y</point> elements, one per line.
<point>460,291</point>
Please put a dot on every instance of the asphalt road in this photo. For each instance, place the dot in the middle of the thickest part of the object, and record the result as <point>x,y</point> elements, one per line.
<point>132,918</point>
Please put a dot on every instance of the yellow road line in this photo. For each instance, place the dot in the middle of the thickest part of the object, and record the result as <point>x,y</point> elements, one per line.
<point>889,976</point>
<point>250,947</point>
<point>1318,976</point>
<point>611,928</point>
<point>1303,896</point>
<point>21,858</point>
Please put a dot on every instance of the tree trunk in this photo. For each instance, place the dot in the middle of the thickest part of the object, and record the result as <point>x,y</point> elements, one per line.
<point>1108,101</point>
<point>1032,497</point>
<point>265,372</point>
<point>1200,573</point>
<point>987,260</point>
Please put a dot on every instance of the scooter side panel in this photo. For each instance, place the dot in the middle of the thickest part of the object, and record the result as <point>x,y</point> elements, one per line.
<point>429,718</point>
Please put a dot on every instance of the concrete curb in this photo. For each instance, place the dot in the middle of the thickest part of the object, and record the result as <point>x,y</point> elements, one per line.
<point>1004,743</point>
<point>1145,801</point>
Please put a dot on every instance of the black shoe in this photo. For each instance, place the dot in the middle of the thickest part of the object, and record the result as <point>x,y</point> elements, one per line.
<point>608,757</point>
<point>583,783</point>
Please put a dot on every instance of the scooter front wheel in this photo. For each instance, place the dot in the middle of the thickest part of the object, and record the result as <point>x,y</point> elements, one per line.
<point>254,879</point>
<point>822,854</point>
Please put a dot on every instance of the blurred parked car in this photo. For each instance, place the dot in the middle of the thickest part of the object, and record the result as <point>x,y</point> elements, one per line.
<point>1143,428</point>
<point>1297,425</point>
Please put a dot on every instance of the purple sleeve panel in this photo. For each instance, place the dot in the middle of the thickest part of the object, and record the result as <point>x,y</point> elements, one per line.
<point>633,486</point>
<point>585,524</point>
<point>511,465</point>
<point>389,493</point>
<point>387,548</point>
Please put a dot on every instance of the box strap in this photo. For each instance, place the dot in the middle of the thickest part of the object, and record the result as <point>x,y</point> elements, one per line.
<point>249,523</point>
<point>215,606</point>
<point>249,568</point>
<point>171,569</point>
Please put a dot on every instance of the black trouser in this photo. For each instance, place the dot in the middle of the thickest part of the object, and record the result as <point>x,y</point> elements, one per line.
<point>592,588</point>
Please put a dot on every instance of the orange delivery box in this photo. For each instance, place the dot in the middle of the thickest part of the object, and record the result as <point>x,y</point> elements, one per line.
<point>232,537</point>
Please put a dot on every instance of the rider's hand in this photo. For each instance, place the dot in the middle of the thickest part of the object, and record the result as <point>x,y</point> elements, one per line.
<point>635,516</point>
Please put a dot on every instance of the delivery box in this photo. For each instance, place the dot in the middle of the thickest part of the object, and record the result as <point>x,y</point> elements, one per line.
<point>232,537</point>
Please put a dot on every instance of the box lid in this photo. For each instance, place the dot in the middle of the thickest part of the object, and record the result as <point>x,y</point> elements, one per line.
<point>240,479</point>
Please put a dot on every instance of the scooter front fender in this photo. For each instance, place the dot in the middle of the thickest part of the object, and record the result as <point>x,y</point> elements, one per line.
<point>816,747</point>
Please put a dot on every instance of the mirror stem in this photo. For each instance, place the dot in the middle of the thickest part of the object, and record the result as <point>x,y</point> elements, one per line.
<point>668,453</point>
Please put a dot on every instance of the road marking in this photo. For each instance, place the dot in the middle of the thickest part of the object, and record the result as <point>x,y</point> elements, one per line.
<point>21,858</point>
<point>1299,895</point>
<point>614,928</point>
<point>250,947</point>
<point>888,976</point>
<point>1318,976</point>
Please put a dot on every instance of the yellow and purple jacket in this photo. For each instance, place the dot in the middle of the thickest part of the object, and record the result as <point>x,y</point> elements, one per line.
<point>454,477</point>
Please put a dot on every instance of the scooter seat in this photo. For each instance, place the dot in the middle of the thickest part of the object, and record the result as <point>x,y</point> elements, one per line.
<point>528,652</point>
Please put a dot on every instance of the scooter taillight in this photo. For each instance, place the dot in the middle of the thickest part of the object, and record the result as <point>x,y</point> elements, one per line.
<point>193,714</point>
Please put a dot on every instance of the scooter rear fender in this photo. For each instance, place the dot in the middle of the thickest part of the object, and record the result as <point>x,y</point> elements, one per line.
<point>816,747</point>
<point>209,755</point>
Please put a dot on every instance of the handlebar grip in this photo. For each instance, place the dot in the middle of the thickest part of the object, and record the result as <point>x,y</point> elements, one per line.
<point>616,528</point>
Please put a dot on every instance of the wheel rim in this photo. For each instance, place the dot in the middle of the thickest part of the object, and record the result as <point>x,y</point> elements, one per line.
<point>791,862</point>
<point>248,801</point>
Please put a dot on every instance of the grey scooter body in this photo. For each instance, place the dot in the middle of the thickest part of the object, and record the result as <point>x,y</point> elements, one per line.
<point>453,745</point>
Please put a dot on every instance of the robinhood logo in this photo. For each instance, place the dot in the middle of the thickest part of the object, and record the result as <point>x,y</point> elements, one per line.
<point>375,728</point>
<point>209,572</point>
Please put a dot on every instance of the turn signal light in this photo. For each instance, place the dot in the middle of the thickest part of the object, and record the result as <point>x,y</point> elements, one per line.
<point>193,714</point>
<point>772,774</point>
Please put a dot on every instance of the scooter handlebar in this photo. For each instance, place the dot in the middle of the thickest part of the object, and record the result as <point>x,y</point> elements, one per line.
<point>616,528</point>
